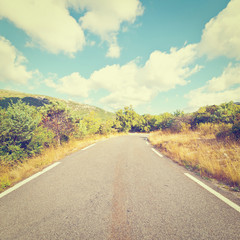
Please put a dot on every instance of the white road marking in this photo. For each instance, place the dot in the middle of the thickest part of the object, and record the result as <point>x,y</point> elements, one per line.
<point>218,195</point>
<point>159,154</point>
<point>18,185</point>
<point>88,147</point>
<point>147,143</point>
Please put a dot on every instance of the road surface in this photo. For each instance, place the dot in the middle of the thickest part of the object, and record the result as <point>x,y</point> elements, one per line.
<point>116,189</point>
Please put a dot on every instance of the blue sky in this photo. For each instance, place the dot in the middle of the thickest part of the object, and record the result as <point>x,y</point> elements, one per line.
<point>156,55</point>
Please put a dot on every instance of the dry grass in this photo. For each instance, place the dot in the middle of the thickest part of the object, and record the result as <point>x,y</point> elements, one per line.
<point>203,153</point>
<point>11,175</point>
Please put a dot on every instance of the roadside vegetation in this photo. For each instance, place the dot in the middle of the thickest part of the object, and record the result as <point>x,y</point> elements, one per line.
<point>33,137</point>
<point>207,142</point>
<point>35,133</point>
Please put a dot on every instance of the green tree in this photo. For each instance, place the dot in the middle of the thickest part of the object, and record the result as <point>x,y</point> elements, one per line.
<point>17,125</point>
<point>91,123</point>
<point>178,113</point>
<point>150,122</point>
<point>81,129</point>
<point>224,113</point>
<point>42,137</point>
<point>164,121</point>
<point>127,119</point>
<point>106,127</point>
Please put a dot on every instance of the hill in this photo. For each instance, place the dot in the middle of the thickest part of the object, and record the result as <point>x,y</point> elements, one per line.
<point>7,96</point>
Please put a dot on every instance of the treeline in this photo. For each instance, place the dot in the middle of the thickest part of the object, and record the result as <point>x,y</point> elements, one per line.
<point>26,130</point>
<point>223,120</point>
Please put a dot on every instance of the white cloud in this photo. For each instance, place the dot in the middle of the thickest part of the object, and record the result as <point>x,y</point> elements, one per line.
<point>113,51</point>
<point>47,22</point>
<point>115,77</point>
<point>74,85</point>
<point>218,90</point>
<point>132,84</point>
<point>104,18</point>
<point>221,36</point>
<point>166,70</point>
<point>229,78</point>
<point>200,97</point>
<point>127,96</point>
<point>12,64</point>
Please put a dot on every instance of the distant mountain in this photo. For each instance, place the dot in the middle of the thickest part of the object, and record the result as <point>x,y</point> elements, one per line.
<point>7,96</point>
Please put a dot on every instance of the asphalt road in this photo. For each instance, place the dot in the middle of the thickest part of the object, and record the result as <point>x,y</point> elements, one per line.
<point>116,189</point>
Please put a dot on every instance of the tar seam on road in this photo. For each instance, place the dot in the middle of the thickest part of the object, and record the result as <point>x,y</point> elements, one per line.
<point>218,195</point>
<point>159,154</point>
<point>88,147</point>
<point>120,228</point>
<point>28,180</point>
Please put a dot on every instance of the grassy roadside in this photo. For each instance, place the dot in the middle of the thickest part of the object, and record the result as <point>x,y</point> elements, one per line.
<point>12,175</point>
<point>202,153</point>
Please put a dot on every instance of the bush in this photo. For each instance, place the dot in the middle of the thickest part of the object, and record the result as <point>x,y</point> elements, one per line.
<point>42,137</point>
<point>213,128</point>
<point>81,130</point>
<point>106,128</point>
<point>181,124</point>
<point>17,125</point>
<point>223,135</point>
<point>165,121</point>
<point>224,131</point>
<point>12,154</point>
<point>236,130</point>
<point>224,113</point>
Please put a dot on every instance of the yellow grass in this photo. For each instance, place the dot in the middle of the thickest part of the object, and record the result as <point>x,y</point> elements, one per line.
<point>11,175</point>
<point>203,153</point>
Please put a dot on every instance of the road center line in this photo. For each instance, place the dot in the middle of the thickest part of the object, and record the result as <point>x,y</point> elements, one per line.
<point>218,195</point>
<point>88,147</point>
<point>159,154</point>
<point>18,185</point>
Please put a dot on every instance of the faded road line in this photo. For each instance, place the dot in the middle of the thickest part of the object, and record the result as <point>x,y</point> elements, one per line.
<point>218,195</point>
<point>28,180</point>
<point>159,154</point>
<point>88,147</point>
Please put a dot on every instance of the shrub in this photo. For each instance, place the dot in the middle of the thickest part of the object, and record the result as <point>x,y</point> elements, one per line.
<point>224,131</point>
<point>11,154</point>
<point>127,119</point>
<point>223,135</point>
<point>213,128</point>
<point>17,125</point>
<point>224,113</point>
<point>236,130</point>
<point>42,137</point>
<point>165,121</point>
<point>106,128</point>
<point>181,124</point>
<point>91,124</point>
<point>81,130</point>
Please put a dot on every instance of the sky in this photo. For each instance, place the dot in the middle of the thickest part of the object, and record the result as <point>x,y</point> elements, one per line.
<point>156,55</point>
